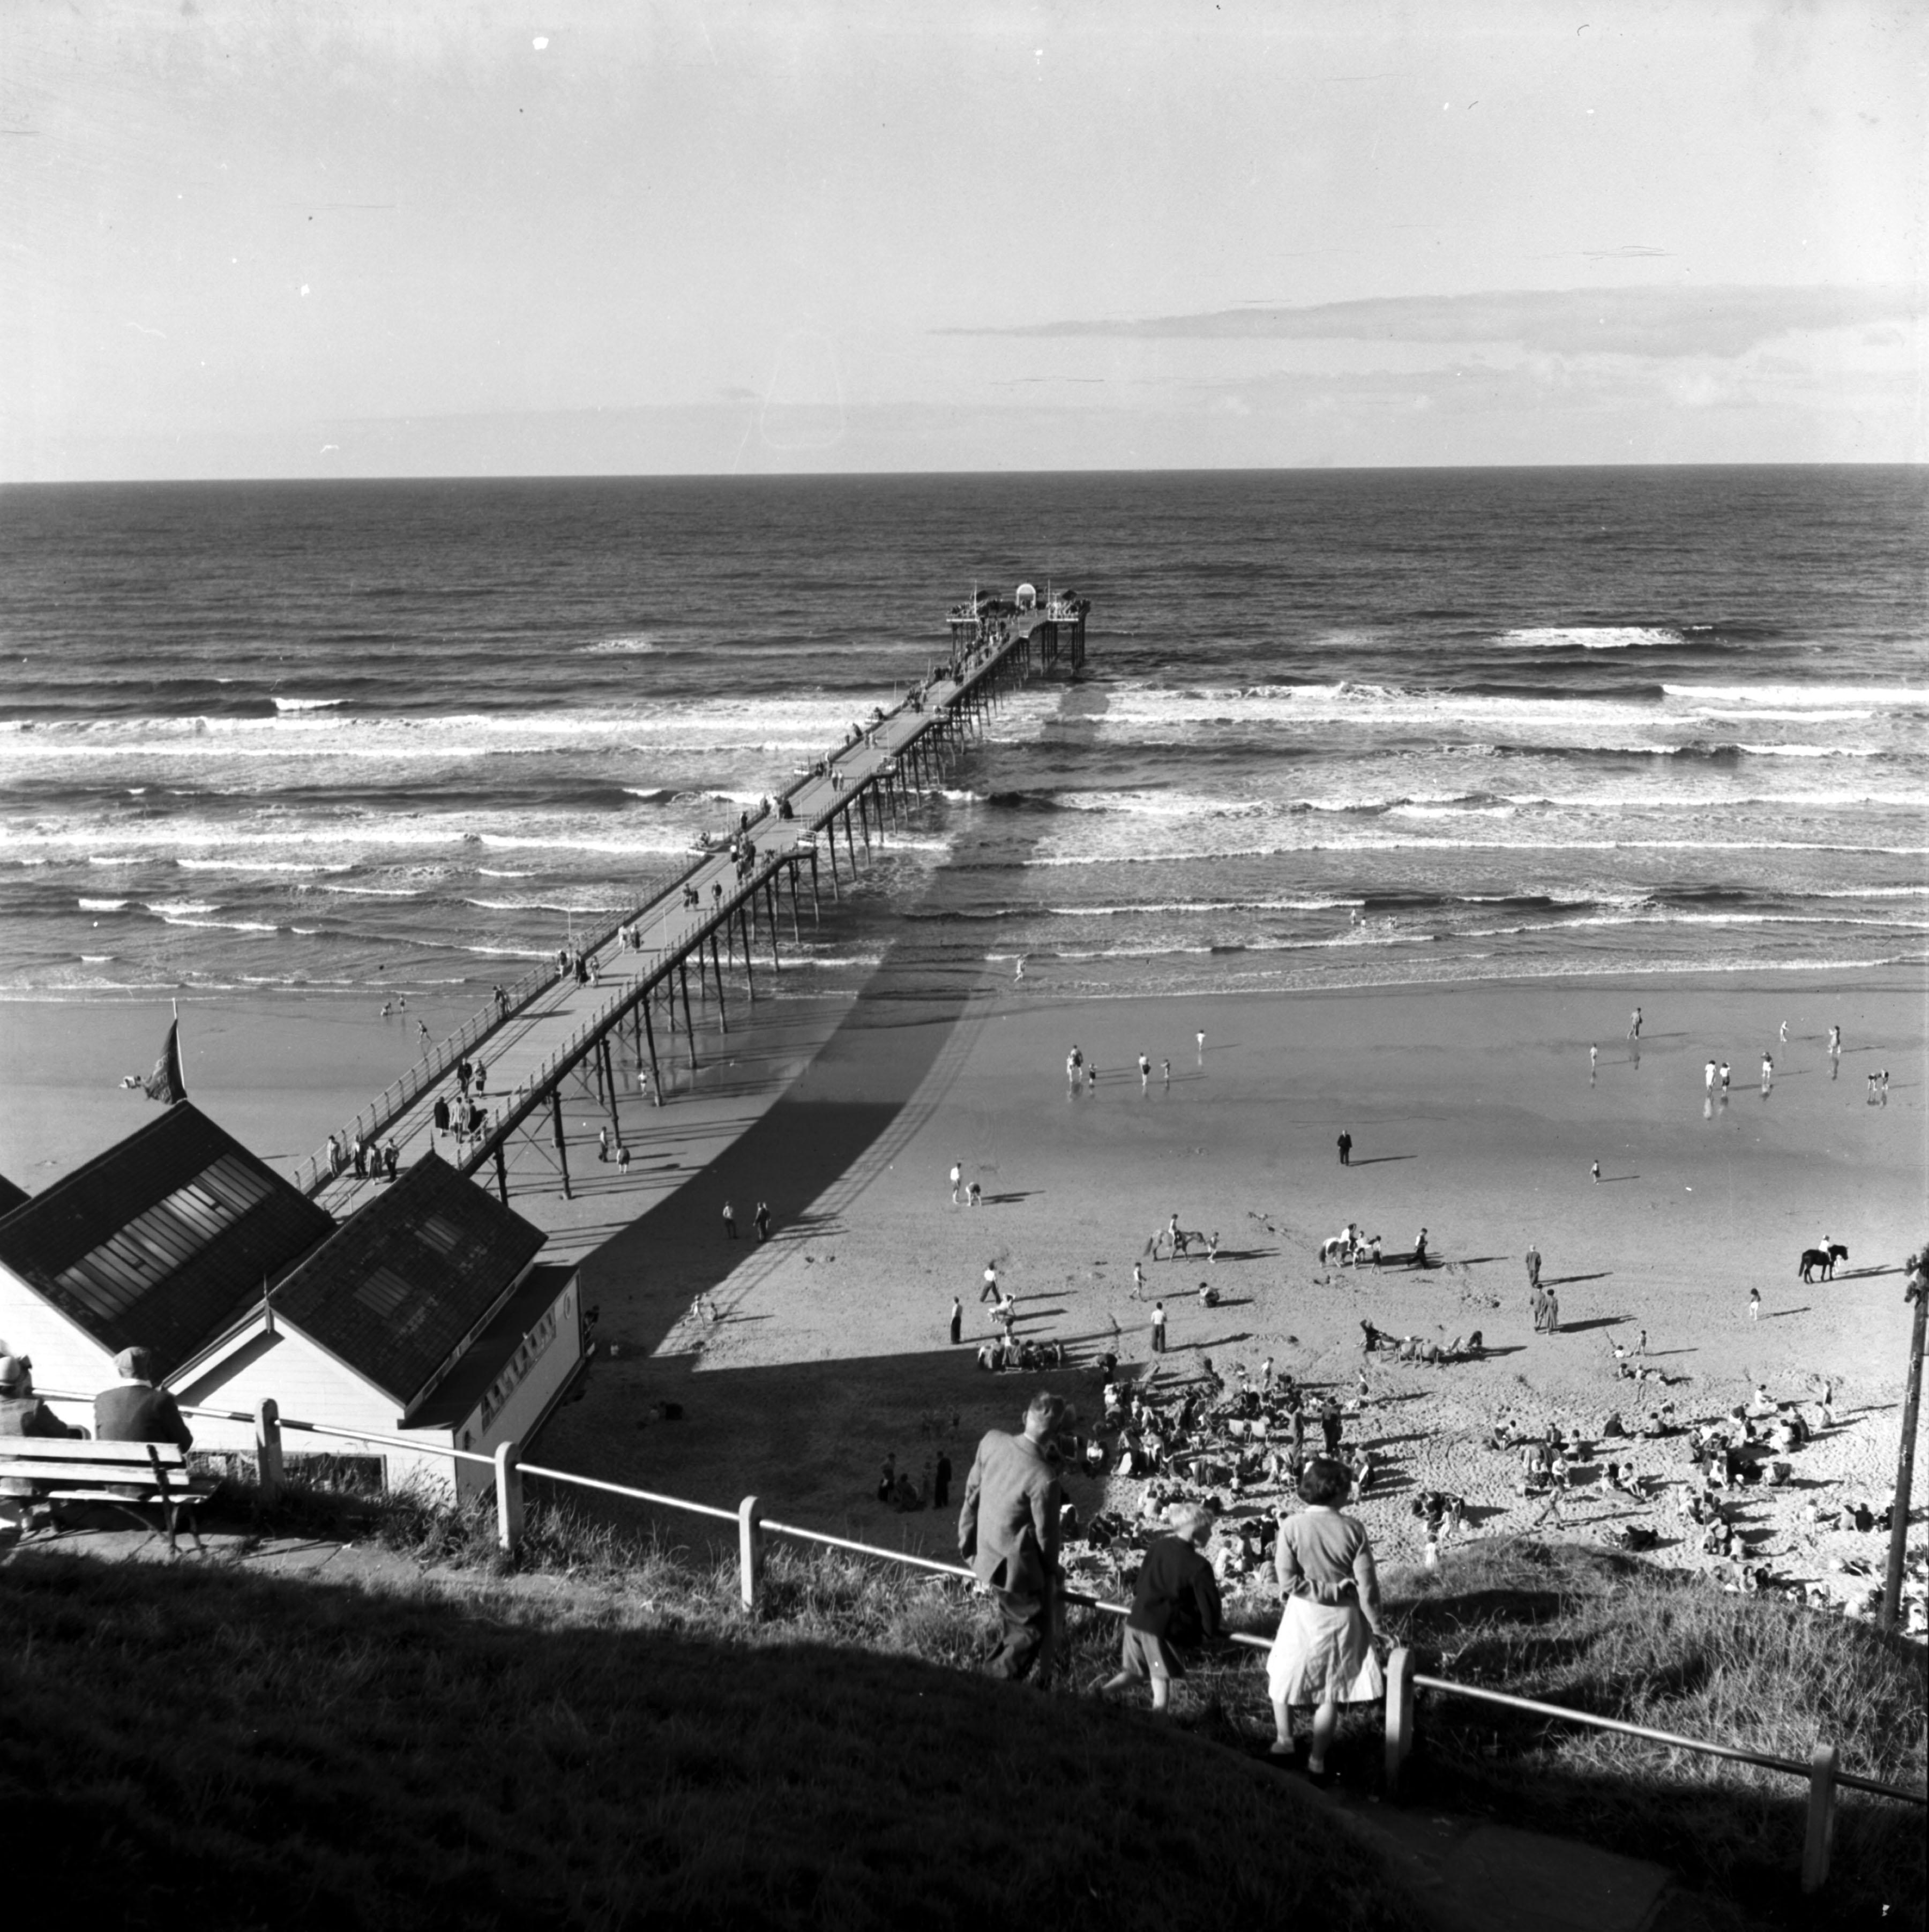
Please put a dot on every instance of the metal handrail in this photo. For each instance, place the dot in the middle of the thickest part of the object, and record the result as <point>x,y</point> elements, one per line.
<point>1765,1759</point>
<point>824,1539</point>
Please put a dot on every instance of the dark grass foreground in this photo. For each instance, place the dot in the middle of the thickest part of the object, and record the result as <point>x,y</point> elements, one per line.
<point>197,1745</point>
<point>1600,1632</point>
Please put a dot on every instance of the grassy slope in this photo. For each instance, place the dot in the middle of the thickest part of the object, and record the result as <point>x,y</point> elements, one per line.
<point>495,1751</point>
<point>201,1745</point>
<point>1581,1626</point>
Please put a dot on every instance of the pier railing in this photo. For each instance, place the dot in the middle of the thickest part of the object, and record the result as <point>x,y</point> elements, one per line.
<point>1822,1772</point>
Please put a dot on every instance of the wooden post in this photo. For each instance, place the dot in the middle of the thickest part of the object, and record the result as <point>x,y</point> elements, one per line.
<point>749,1551</point>
<point>1821,1767</point>
<point>749,976</point>
<point>508,1499</point>
<point>650,1033</point>
<point>501,1175</point>
<point>817,904</point>
<point>836,893</point>
<point>562,1150</point>
<point>267,1468</point>
<point>850,842</point>
<point>716,967</point>
<point>1399,1717</point>
<point>689,1031</point>
<point>770,907</point>
<point>1890,1613</point>
<point>796,931</point>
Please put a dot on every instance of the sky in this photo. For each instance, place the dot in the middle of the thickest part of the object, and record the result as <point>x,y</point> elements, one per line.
<point>395,238</point>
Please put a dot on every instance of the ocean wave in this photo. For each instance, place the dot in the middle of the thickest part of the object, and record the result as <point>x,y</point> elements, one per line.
<point>547,905</point>
<point>178,908</point>
<point>103,905</point>
<point>300,704</point>
<point>619,647</point>
<point>1594,637</point>
<point>220,925</point>
<point>1805,696</point>
<point>376,892</point>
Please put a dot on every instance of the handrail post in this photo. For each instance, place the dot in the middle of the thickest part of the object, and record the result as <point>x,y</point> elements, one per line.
<point>268,1450</point>
<point>749,1551</point>
<point>509,1497</point>
<point>1822,1763</point>
<point>1400,1695</point>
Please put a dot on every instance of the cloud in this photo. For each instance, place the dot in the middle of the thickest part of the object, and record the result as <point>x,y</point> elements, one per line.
<point>1567,322</point>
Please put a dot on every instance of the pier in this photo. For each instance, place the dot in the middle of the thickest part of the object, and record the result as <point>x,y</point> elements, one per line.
<point>719,918</point>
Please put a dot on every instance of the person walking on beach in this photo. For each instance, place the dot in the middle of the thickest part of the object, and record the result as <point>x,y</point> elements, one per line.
<point>1420,1249</point>
<point>1754,1304</point>
<point>1018,977</point>
<point>729,1221</point>
<point>1767,1074</point>
<point>1330,1425</point>
<point>1201,1040</point>
<point>1532,1259</point>
<point>1634,1025</point>
<point>1553,1311</point>
<point>989,1292</point>
<point>1594,1061</point>
<point>1834,1042</point>
<point>1345,1144</point>
<point>1158,1327</point>
<point>1782,1036</point>
<point>1138,1281</point>
<point>762,1218</point>
<point>1595,1170</point>
<point>957,1321</point>
<point>1537,1302</point>
<point>957,1181</point>
<point>1708,1076</point>
<point>1724,1081</point>
<point>1144,1074</point>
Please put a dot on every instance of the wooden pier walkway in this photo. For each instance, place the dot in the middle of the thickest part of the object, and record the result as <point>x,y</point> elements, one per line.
<point>714,917</point>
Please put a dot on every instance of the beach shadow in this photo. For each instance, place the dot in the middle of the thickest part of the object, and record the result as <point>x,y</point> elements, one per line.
<point>1233,1301</point>
<point>1608,1180</point>
<point>1657,1354</point>
<point>1247,1254</point>
<point>1488,1354</point>
<point>1561,1280</point>
<point>1013,1194</point>
<point>1477,1260</point>
<point>1782,1314</point>
<point>1380,1159</point>
<point>1599,1321</point>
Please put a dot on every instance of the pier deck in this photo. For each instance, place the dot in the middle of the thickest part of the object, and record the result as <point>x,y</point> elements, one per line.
<point>565,1031</point>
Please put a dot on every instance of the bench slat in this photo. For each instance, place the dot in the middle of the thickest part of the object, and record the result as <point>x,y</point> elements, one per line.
<point>129,1472</point>
<point>55,1448</point>
<point>149,1498</point>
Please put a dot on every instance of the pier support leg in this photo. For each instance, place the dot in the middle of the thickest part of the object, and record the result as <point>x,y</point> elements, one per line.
<point>501,1175</point>
<point>816,905</point>
<point>716,967</point>
<point>836,891</point>
<point>850,843</point>
<point>749,976</point>
<point>689,1030</point>
<point>650,1032</point>
<point>561,1149</point>
<point>610,1074</point>
<point>770,907</point>
<point>797,934</point>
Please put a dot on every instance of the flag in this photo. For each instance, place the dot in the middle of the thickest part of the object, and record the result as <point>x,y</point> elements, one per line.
<point>165,1083</point>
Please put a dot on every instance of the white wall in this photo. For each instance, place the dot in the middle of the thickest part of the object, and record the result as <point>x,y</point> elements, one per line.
<point>530,1381</point>
<point>64,1355</point>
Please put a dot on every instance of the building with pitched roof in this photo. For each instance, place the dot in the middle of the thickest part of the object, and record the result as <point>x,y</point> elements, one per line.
<point>426,1317</point>
<point>161,1243</point>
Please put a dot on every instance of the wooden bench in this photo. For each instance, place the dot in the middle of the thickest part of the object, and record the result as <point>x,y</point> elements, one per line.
<point>130,1477</point>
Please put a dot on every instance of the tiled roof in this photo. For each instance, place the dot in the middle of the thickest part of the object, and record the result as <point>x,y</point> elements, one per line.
<point>11,1196</point>
<point>400,1285</point>
<point>458,1392</point>
<point>165,1240</point>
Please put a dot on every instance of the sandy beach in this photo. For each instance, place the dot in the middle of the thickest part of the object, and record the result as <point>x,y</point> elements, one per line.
<point>1472,1112</point>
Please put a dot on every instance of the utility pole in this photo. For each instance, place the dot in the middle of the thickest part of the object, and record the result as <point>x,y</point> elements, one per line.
<point>1917,1292</point>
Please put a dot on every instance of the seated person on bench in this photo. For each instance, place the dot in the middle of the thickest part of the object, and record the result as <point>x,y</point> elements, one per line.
<point>134,1410</point>
<point>23,1412</point>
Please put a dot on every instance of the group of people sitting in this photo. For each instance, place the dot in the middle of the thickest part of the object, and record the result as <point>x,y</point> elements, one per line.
<point>132,1410</point>
<point>1421,1348</point>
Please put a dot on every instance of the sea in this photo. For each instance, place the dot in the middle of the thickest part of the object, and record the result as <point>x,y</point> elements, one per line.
<point>1335,728</point>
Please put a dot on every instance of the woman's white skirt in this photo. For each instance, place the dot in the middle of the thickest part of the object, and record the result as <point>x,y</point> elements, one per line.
<point>1323,1650</point>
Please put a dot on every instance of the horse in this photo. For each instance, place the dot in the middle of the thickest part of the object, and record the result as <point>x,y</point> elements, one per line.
<point>1825,1259</point>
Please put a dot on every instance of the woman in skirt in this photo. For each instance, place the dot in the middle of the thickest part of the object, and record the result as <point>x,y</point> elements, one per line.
<point>1323,1654</point>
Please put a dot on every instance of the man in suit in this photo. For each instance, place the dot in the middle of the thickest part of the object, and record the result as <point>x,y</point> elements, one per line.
<point>134,1410</point>
<point>1008,1532</point>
